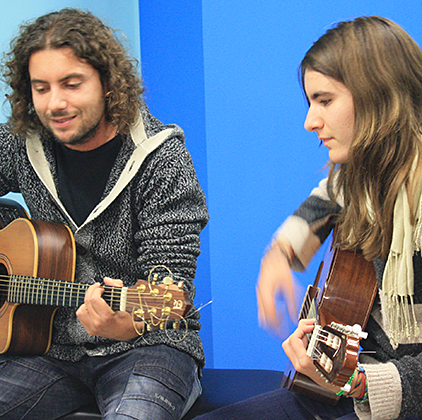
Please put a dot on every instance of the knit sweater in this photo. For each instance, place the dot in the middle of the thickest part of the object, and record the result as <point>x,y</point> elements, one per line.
<point>151,213</point>
<point>394,376</point>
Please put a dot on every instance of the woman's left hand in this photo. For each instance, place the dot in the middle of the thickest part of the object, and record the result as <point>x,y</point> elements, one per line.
<point>295,348</point>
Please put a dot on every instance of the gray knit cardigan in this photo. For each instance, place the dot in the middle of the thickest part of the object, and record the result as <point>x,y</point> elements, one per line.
<point>151,213</point>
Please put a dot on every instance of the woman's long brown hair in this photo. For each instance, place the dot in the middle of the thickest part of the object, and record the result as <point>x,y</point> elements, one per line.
<point>381,65</point>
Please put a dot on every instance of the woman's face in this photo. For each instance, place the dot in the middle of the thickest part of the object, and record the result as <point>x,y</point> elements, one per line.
<point>331,114</point>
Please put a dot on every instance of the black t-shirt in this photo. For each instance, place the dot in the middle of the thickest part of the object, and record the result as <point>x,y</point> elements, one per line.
<point>83,176</point>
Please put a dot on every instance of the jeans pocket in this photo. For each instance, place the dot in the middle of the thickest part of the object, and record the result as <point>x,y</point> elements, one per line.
<point>164,376</point>
<point>160,387</point>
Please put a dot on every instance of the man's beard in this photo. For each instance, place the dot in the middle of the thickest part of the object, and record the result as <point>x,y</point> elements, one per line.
<point>80,138</point>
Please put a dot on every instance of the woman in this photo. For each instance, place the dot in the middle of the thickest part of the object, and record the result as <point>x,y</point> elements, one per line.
<point>363,83</point>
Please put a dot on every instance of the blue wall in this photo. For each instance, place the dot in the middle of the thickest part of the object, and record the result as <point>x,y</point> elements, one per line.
<point>234,90</point>
<point>173,72</point>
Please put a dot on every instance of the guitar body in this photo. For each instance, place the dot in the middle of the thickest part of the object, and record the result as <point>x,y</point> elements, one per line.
<point>32,248</point>
<point>349,290</point>
<point>344,289</point>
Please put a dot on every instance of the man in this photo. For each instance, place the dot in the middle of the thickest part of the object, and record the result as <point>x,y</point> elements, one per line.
<point>83,150</point>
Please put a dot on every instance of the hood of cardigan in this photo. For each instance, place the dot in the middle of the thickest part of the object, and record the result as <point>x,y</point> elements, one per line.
<point>143,147</point>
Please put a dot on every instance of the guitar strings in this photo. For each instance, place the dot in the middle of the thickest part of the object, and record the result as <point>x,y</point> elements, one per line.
<point>200,308</point>
<point>60,289</point>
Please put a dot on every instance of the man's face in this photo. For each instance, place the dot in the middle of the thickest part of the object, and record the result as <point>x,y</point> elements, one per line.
<point>68,98</point>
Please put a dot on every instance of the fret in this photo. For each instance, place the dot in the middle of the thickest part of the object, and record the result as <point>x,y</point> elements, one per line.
<point>50,300</point>
<point>54,294</point>
<point>46,293</point>
<point>39,294</point>
<point>20,289</point>
<point>113,296</point>
<point>41,291</point>
<point>16,291</point>
<point>38,291</point>
<point>66,294</point>
<point>78,298</point>
<point>26,289</point>
<point>108,296</point>
<point>31,288</point>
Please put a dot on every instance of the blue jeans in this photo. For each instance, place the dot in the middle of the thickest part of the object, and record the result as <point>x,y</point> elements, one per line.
<point>282,405</point>
<point>157,383</point>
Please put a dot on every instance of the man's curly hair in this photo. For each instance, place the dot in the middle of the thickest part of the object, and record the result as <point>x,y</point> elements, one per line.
<point>91,41</point>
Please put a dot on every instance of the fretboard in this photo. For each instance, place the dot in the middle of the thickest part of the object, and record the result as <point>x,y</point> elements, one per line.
<point>37,291</point>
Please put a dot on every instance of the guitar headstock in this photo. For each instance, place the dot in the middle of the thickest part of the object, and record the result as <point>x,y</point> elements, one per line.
<point>334,349</point>
<point>157,304</point>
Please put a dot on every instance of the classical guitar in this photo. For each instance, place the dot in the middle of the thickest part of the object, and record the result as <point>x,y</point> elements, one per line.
<point>37,268</point>
<point>340,300</point>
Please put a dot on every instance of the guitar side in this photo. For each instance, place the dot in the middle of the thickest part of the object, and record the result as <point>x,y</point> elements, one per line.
<point>32,248</point>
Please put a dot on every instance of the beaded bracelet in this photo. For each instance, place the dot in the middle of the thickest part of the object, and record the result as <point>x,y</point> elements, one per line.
<point>364,394</point>
<point>346,388</point>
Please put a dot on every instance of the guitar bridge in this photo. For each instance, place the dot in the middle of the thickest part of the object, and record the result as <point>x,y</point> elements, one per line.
<point>334,349</point>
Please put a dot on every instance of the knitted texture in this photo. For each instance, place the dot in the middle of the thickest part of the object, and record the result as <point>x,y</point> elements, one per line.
<point>383,381</point>
<point>155,220</point>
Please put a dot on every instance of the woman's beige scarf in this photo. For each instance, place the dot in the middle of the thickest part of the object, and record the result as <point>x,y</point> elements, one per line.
<point>398,280</point>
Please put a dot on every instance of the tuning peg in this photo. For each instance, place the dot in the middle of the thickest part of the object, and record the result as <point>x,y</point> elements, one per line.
<point>142,288</point>
<point>139,313</point>
<point>357,329</point>
<point>346,388</point>
<point>168,280</point>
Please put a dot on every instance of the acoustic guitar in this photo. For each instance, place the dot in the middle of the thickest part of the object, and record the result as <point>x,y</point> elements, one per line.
<point>340,300</point>
<point>37,269</point>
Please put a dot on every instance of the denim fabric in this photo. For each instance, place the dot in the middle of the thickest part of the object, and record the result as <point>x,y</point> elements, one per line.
<point>282,405</point>
<point>157,383</point>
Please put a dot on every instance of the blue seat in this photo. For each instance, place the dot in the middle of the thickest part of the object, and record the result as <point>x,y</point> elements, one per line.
<point>221,387</point>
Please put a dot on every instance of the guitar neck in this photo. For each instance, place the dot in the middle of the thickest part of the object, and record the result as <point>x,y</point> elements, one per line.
<point>37,291</point>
